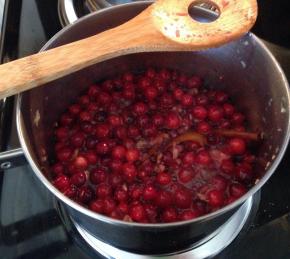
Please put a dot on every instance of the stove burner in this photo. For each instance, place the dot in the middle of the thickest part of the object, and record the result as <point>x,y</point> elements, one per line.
<point>207,248</point>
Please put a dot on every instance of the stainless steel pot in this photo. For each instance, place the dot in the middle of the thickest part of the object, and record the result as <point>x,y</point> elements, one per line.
<point>245,68</point>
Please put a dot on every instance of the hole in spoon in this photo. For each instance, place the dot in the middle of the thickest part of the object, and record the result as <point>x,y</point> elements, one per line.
<point>204,11</point>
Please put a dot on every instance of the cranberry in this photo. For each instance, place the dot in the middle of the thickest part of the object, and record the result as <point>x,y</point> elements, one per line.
<point>163,199</point>
<point>238,118</point>
<point>58,169</point>
<point>123,207</point>
<point>132,154</point>
<point>102,148</point>
<point>133,131</point>
<point>87,127</point>
<point>136,192</point>
<point>189,214</point>
<point>137,213</point>
<point>151,73</point>
<point>163,178</point>
<point>91,157</point>
<point>150,131</point>
<point>203,127</point>
<point>144,82</point>
<point>129,94</point>
<point>160,85</point>
<point>166,100</point>
<point>119,152</point>
<point>221,97</point>
<point>150,93</point>
<point>129,172</point>
<point>188,158</point>
<point>98,176</point>
<point>187,100</point>
<point>203,158</point>
<point>84,100</point>
<point>143,120</point>
<point>93,91</point>
<point>78,179</point>
<point>74,109</point>
<point>66,120</point>
<point>237,146</point>
<point>215,113</point>
<point>85,116</point>
<point>215,198</point>
<point>172,120</point>
<point>140,108</point>
<point>115,120</point>
<point>128,77</point>
<point>228,109</point>
<point>104,98</point>
<point>121,194</point>
<point>199,112</point>
<point>102,130</point>
<point>97,206</point>
<point>219,183</point>
<point>64,154</point>
<point>121,132</point>
<point>80,162</point>
<point>182,198</point>
<point>185,175</point>
<point>151,212</point>
<point>227,166</point>
<point>116,165</point>
<point>150,193</point>
<point>109,205</point>
<point>70,192</point>
<point>115,179</point>
<point>103,190</point>
<point>194,82</point>
<point>62,133</point>
<point>237,190</point>
<point>169,215</point>
<point>78,139</point>
<point>61,182</point>
<point>244,172</point>
<point>85,194</point>
<point>178,94</point>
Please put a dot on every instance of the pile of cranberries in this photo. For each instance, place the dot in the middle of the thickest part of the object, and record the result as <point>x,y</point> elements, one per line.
<point>149,147</point>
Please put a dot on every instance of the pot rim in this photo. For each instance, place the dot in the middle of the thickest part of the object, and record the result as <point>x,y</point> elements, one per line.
<point>79,208</point>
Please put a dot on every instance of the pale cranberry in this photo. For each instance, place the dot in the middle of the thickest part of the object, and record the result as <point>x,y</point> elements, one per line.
<point>80,162</point>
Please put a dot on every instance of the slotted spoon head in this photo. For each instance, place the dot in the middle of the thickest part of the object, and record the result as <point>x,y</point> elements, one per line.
<point>235,17</point>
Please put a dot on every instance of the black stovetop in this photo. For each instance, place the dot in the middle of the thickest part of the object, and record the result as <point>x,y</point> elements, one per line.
<point>30,226</point>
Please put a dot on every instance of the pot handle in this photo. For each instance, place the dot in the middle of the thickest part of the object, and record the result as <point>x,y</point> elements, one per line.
<point>12,158</point>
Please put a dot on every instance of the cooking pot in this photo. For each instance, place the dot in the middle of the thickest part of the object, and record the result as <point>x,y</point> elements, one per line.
<point>244,68</point>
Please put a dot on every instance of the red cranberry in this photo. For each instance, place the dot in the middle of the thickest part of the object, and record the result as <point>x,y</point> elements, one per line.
<point>227,166</point>
<point>87,127</point>
<point>189,214</point>
<point>188,158</point>
<point>151,73</point>
<point>104,98</point>
<point>77,140</point>
<point>98,175</point>
<point>172,120</point>
<point>123,207</point>
<point>150,93</point>
<point>199,112</point>
<point>91,157</point>
<point>160,85</point>
<point>103,190</point>
<point>185,175</point>
<point>194,82</point>
<point>166,100</point>
<point>237,190</point>
<point>66,120</point>
<point>221,97</point>
<point>137,213</point>
<point>109,205</point>
<point>244,172</point>
<point>169,215</point>
<point>97,206</point>
<point>102,148</point>
<point>228,109</point>
<point>115,120</point>
<point>74,109</point>
<point>58,169</point>
<point>203,158</point>
<point>121,132</point>
<point>121,194</point>
<point>182,198</point>
<point>215,198</point>
<point>84,100</point>
<point>237,146</point>
<point>129,172</point>
<point>219,183</point>
<point>61,182</point>
<point>164,74</point>
<point>143,120</point>
<point>91,142</point>
<point>118,152</point>
<point>139,108</point>
<point>107,85</point>
<point>150,131</point>
<point>215,113</point>
<point>115,179</point>
<point>64,154</point>
<point>132,154</point>
<point>150,193</point>
<point>151,212</point>
<point>62,133</point>
<point>178,94</point>
<point>116,165</point>
<point>238,118</point>
<point>93,91</point>
<point>78,179</point>
<point>163,178</point>
<point>128,77</point>
<point>163,199</point>
<point>85,116</point>
<point>133,131</point>
<point>102,130</point>
<point>186,100</point>
<point>85,194</point>
<point>203,127</point>
<point>70,192</point>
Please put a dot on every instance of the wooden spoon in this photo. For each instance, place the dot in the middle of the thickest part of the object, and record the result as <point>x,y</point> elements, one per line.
<point>163,26</point>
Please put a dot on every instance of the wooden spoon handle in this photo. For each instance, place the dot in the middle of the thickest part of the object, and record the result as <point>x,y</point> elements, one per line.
<point>164,26</point>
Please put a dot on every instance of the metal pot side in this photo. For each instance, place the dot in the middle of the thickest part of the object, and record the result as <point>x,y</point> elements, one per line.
<point>245,69</point>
